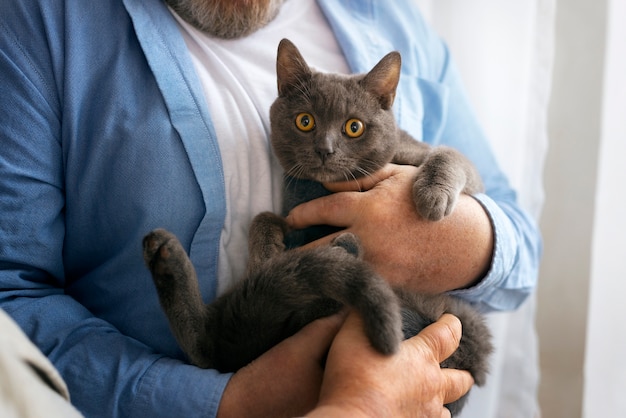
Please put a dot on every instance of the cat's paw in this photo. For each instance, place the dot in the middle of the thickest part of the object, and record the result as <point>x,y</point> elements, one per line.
<point>153,244</point>
<point>349,242</point>
<point>265,239</point>
<point>441,178</point>
<point>434,201</point>
<point>164,255</point>
<point>269,225</point>
<point>267,234</point>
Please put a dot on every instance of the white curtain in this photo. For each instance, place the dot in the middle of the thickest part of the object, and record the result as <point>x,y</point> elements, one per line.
<point>504,50</point>
<point>605,375</point>
<point>582,287</point>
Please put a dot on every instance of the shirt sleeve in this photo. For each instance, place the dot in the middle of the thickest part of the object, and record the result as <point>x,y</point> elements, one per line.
<point>109,374</point>
<point>517,249</point>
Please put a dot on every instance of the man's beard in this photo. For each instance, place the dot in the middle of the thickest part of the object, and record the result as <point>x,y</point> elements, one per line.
<point>227,19</point>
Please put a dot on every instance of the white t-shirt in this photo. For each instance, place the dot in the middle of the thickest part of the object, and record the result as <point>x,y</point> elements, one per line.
<point>239,81</point>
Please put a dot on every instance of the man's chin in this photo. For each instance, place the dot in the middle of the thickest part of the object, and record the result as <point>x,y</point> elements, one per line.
<point>227,19</point>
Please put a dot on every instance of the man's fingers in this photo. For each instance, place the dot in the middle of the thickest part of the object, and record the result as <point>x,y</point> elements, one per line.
<point>331,210</point>
<point>363,183</point>
<point>318,335</point>
<point>437,336</point>
<point>353,329</point>
<point>458,383</point>
<point>338,208</point>
<point>443,338</point>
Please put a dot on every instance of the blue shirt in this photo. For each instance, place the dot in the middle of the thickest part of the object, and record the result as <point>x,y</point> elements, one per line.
<point>105,135</point>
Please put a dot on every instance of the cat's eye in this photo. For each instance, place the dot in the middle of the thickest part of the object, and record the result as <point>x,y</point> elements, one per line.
<point>305,122</point>
<point>354,128</point>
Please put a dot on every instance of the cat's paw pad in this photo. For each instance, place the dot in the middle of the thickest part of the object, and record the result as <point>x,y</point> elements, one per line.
<point>349,242</point>
<point>162,249</point>
<point>434,201</point>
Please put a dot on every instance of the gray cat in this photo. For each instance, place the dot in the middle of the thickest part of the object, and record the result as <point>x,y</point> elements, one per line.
<point>325,127</point>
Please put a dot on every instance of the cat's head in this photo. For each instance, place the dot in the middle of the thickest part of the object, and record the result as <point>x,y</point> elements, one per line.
<point>331,127</point>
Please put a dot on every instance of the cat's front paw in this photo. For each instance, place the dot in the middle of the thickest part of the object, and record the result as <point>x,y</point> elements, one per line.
<point>441,178</point>
<point>434,201</point>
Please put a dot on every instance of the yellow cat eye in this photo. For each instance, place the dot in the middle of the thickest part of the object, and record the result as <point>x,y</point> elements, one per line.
<point>354,128</point>
<point>305,122</point>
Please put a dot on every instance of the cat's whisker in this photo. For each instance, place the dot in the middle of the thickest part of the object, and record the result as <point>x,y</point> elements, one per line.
<point>301,172</point>
<point>365,172</point>
<point>349,176</point>
<point>364,168</point>
<point>292,171</point>
<point>295,172</point>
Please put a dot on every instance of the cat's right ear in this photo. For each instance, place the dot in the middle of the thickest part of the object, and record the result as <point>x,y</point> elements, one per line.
<point>291,69</point>
<point>383,79</point>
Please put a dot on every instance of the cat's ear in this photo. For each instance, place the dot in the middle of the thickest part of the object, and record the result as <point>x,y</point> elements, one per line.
<point>291,68</point>
<point>383,79</point>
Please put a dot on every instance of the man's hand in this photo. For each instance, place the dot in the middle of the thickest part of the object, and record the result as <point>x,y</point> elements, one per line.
<point>360,382</point>
<point>404,248</point>
<point>285,381</point>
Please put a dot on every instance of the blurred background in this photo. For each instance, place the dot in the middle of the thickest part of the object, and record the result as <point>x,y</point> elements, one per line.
<point>548,82</point>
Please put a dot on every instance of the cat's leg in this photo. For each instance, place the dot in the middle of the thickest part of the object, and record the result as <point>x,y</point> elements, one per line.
<point>442,177</point>
<point>179,294</point>
<point>349,280</point>
<point>265,239</point>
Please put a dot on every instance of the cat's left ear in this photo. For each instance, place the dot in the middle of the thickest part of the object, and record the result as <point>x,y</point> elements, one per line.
<point>291,69</point>
<point>383,79</point>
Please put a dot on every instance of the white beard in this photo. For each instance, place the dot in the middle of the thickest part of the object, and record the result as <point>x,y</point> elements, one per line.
<point>227,19</point>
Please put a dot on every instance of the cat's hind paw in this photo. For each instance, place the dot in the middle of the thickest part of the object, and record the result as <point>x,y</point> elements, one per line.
<point>164,256</point>
<point>153,243</point>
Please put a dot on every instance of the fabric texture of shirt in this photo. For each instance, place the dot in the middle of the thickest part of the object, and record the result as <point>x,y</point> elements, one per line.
<point>106,134</point>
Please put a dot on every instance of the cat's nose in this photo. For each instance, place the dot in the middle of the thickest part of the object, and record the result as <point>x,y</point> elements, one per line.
<point>325,149</point>
<point>324,154</point>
